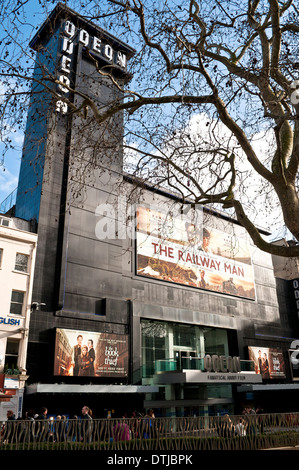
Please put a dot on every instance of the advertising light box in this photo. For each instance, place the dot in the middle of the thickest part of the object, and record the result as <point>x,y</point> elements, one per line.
<point>173,250</point>
<point>91,354</point>
<point>269,362</point>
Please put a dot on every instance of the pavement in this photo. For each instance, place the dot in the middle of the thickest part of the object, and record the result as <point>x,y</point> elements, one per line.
<point>284,448</point>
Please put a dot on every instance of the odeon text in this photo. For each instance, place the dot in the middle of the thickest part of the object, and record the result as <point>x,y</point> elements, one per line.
<point>216,363</point>
<point>94,45</point>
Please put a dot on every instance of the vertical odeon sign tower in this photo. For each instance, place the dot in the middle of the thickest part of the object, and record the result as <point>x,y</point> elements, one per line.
<point>69,166</point>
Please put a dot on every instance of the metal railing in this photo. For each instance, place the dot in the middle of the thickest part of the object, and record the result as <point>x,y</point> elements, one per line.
<point>248,432</point>
<point>8,202</point>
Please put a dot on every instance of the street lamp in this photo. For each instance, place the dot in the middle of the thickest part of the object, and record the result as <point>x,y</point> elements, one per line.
<point>37,305</point>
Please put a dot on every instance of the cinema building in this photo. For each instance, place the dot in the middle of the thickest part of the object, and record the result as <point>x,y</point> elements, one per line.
<point>161,319</point>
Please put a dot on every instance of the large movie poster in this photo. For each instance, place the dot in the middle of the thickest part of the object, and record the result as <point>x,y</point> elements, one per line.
<point>269,362</point>
<point>172,249</point>
<point>90,354</point>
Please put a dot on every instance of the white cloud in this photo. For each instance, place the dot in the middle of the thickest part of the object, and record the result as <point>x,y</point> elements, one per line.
<point>8,182</point>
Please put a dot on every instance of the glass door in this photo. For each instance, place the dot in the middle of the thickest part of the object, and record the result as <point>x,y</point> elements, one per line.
<point>185,359</point>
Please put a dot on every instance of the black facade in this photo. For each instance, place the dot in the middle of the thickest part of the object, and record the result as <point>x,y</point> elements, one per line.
<point>91,284</point>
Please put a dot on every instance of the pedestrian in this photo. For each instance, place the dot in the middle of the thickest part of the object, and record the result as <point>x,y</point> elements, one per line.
<point>87,424</point>
<point>259,411</point>
<point>240,428</point>
<point>43,425</point>
<point>43,414</point>
<point>148,423</point>
<point>226,427</point>
<point>74,429</point>
<point>10,415</point>
<point>60,428</point>
<point>27,426</point>
<point>86,412</point>
<point>29,415</point>
<point>9,429</point>
<point>251,419</point>
<point>121,431</point>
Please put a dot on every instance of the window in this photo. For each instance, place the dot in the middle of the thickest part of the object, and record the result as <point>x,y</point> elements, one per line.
<point>183,335</point>
<point>216,342</point>
<point>12,353</point>
<point>16,304</point>
<point>154,345</point>
<point>21,262</point>
<point>166,346</point>
<point>4,221</point>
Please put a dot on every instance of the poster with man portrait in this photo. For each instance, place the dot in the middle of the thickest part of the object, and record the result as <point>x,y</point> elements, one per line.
<point>269,362</point>
<point>176,250</point>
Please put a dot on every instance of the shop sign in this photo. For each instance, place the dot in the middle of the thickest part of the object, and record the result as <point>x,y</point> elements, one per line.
<point>296,293</point>
<point>9,321</point>
<point>198,376</point>
<point>216,363</point>
<point>11,382</point>
<point>94,45</point>
<point>240,377</point>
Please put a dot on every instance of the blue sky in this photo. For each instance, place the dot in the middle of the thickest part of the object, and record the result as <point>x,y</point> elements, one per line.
<point>29,20</point>
<point>9,170</point>
<point>27,23</point>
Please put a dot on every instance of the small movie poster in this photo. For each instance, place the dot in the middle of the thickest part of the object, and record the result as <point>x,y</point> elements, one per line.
<point>91,354</point>
<point>268,362</point>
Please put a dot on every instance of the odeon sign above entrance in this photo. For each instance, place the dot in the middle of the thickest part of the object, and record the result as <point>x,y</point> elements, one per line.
<point>217,369</point>
<point>222,363</point>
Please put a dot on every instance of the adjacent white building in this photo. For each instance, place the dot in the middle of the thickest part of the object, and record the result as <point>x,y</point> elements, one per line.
<point>17,260</point>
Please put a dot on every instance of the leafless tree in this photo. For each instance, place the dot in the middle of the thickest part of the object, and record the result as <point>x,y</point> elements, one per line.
<point>212,109</point>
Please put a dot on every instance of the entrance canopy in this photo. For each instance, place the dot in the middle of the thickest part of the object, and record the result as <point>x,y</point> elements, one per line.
<point>197,376</point>
<point>90,388</point>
